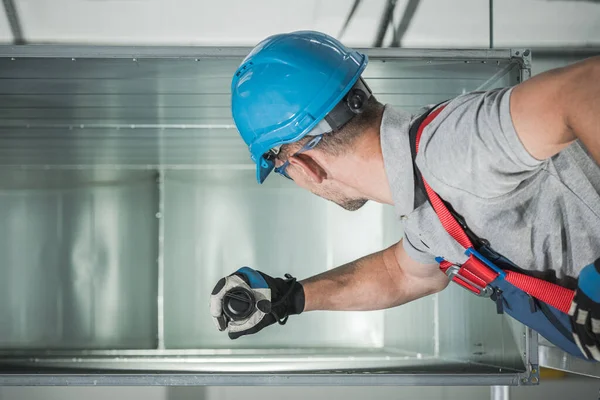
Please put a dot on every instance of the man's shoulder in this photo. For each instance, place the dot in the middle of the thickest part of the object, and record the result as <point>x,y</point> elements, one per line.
<point>472,147</point>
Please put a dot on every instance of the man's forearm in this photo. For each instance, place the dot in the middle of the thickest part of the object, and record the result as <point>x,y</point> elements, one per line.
<point>373,282</point>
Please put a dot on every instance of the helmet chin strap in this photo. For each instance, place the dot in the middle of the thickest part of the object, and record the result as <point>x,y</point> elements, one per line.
<point>353,103</point>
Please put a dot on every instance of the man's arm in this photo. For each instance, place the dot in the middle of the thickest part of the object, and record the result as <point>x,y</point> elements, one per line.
<point>555,108</point>
<point>381,280</point>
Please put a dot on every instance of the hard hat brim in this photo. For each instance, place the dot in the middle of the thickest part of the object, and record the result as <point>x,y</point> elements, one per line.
<point>263,169</point>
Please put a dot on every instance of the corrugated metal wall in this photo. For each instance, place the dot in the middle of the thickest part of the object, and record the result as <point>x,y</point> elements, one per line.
<point>168,112</point>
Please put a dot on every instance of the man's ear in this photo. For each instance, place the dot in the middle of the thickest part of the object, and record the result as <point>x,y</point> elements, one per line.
<point>309,166</point>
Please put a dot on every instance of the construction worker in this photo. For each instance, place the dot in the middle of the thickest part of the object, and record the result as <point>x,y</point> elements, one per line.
<point>518,165</point>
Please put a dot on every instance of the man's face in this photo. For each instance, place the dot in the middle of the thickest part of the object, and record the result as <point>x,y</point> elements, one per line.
<point>344,200</point>
<point>328,189</point>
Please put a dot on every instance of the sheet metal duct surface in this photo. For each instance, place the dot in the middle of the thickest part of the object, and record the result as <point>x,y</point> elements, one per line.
<point>125,194</point>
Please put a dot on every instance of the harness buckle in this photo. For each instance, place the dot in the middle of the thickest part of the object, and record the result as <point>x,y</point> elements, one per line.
<point>453,273</point>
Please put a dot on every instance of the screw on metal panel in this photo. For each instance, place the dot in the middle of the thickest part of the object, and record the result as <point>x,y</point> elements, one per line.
<point>524,380</point>
<point>12,59</point>
<point>534,371</point>
<point>526,53</point>
<point>135,60</point>
<point>517,53</point>
<point>534,380</point>
<point>72,59</point>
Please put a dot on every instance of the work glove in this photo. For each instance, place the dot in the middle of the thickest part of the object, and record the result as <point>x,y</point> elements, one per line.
<point>248,301</point>
<point>585,312</point>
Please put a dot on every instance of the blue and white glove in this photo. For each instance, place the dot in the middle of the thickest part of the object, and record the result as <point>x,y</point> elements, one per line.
<point>585,312</point>
<point>269,300</point>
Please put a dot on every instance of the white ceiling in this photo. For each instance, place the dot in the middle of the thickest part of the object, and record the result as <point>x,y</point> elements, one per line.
<point>5,34</point>
<point>437,23</point>
<point>546,23</point>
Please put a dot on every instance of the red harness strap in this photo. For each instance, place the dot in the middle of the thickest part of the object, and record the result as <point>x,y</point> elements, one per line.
<point>474,274</point>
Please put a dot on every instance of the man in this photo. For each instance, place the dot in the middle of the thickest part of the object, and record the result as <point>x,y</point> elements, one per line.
<point>517,164</point>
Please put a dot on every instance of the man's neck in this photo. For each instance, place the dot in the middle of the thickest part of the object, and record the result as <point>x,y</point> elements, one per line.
<point>363,168</point>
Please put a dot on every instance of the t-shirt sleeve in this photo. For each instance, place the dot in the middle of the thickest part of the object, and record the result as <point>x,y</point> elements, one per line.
<point>473,146</point>
<point>416,249</point>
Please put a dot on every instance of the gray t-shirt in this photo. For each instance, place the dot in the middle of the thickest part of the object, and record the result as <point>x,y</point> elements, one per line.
<point>543,215</point>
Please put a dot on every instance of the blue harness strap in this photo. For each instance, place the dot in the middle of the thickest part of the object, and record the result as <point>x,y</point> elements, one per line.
<point>552,324</point>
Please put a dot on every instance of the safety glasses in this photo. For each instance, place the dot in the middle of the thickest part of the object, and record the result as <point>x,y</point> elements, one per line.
<point>308,146</point>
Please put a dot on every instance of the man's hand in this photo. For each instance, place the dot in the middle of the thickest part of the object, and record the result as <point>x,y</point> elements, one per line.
<point>248,301</point>
<point>585,312</point>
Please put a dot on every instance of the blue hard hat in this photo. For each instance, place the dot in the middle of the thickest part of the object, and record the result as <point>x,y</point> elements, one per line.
<point>286,86</point>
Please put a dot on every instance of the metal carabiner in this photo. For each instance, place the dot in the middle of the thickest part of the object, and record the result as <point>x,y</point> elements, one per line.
<point>453,272</point>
